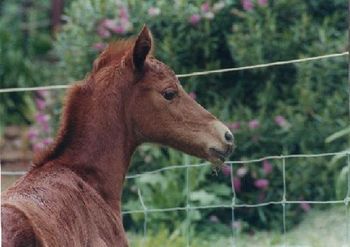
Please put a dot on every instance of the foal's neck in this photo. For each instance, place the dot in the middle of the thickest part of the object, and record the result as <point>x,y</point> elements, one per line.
<point>95,141</point>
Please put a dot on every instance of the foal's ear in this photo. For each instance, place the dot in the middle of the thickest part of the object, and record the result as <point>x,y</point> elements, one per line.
<point>143,45</point>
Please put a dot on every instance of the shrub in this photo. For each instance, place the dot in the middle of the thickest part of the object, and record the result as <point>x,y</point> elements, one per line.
<point>279,110</point>
<point>24,48</point>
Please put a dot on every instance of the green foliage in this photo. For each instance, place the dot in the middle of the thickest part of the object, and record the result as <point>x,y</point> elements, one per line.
<point>278,110</point>
<point>24,45</point>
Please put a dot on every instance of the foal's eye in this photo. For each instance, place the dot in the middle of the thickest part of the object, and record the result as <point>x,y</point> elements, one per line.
<point>169,94</point>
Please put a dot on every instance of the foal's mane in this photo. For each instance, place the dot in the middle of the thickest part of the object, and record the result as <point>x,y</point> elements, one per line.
<point>112,55</point>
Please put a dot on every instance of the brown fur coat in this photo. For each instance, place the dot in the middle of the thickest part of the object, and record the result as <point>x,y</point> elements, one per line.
<point>63,210</point>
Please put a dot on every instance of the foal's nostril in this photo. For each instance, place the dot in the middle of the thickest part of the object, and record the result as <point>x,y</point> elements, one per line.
<point>228,136</point>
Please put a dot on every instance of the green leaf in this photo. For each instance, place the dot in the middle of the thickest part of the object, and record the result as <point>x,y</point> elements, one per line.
<point>203,197</point>
<point>338,134</point>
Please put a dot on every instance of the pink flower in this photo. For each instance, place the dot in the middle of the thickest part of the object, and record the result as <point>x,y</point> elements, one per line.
<point>100,46</point>
<point>123,13</point>
<point>281,121</point>
<point>46,127</point>
<point>194,19</point>
<point>254,124</point>
<point>263,2</point>
<point>153,11</point>
<point>42,118</point>
<point>43,93</point>
<point>234,126</point>
<point>267,167</point>
<point>261,183</point>
<point>242,171</point>
<point>247,5</point>
<point>47,141</point>
<point>102,31</point>
<point>193,95</point>
<point>109,23</point>
<point>305,206</point>
<point>40,104</point>
<point>38,146</point>
<point>32,134</point>
<point>205,7</point>
<point>119,29</point>
<point>114,26</point>
<point>236,182</point>
<point>226,170</point>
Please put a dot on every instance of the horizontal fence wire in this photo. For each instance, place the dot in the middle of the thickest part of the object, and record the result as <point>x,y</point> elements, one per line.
<point>207,72</point>
<point>163,210</point>
<point>203,164</point>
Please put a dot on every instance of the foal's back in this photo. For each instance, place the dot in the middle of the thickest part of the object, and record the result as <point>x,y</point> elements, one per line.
<point>52,206</point>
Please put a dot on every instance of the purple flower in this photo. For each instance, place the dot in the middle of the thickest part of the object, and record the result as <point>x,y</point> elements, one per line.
<point>100,46</point>
<point>46,127</point>
<point>242,171</point>
<point>194,19</point>
<point>205,7</point>
<point>267,167</point>
<point>261,183</point>
<point>109,23</point>
<point>281,121</point>
<point>47,141</point>
<point>33,134</point>
<point>102,31</point>
<point>236,182</point>
<point>234,126</point>
<point>305,206</point>
<point>40,104</point>
<point>247,5</point>
<point>123,13</point>
<point>125,25</point>
<point>43,93</point>
<point>119,29</point>
<point>263,2</point>
<point>38,146</point>
<point>113,26</point>
<point>226,170</point>
<point>254,124</point>
<point>193,95</point>
<point>153,11</point>
<point>42,118</point>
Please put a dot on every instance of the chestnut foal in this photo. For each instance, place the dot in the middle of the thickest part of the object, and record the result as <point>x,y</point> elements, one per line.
<point>72,194</point>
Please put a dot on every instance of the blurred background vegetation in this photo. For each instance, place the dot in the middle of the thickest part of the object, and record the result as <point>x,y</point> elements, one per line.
<point>291,109</point>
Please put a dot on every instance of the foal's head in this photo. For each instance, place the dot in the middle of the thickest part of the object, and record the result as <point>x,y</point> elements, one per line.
<point>157,109</point>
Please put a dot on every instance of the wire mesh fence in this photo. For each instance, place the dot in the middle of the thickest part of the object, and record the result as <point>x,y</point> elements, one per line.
<point>234,202</point>
<point>283,159</point>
